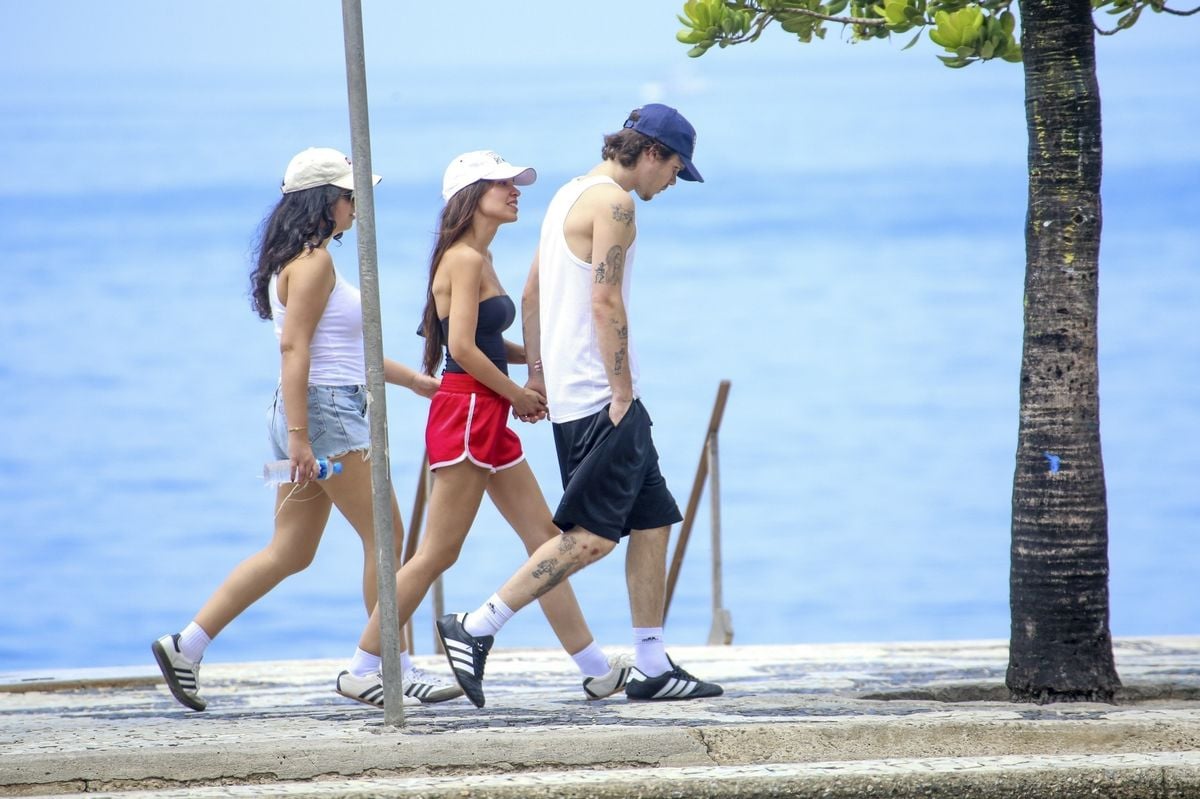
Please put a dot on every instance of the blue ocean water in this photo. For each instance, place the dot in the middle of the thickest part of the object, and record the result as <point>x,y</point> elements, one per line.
<point>853,264</point>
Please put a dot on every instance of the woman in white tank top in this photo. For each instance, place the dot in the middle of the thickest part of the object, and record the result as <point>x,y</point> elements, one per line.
<point>319,411</point>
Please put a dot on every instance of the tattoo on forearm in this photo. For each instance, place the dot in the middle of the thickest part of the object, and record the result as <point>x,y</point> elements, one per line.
<point>612,269</point>
<point>620,355</point>
<point>623,215</point>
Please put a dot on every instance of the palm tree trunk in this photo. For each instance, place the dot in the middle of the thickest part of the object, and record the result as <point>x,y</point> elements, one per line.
<point>1061,647</point>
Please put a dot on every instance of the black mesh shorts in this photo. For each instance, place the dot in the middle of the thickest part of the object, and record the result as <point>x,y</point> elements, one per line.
<point>611,481</point>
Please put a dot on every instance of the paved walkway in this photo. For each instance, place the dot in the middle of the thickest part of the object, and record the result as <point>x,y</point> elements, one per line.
<point>802,720</point>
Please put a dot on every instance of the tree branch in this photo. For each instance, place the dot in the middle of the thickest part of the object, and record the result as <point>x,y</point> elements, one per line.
<point>873,21</point>
<point>1131,18</point>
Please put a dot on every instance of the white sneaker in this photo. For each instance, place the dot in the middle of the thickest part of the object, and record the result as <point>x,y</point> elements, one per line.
<point>417,684</point>
<point>619,667</point>
<point>368,690</point>
<point>422,685</point>
<point>182,675</point>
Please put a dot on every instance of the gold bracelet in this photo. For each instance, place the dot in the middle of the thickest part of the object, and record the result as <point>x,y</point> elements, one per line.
<point>296,429</point>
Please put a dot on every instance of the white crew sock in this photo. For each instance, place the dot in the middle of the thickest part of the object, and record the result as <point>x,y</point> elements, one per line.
<point>650,651</point>
<point>591,660</point>
<point>193,641</point>
<point>364,664</point>
<point>489,618</point>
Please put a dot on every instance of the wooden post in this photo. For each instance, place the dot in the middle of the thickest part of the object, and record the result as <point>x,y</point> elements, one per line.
<point>414,535</point>
<point>689,516</point>
<point>721,631</point>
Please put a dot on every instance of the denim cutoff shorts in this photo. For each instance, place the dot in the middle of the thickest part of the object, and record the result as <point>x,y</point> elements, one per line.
<point>337,421</point>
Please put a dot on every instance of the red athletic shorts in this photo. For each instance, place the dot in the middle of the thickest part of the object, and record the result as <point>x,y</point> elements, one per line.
<point>469,421</point>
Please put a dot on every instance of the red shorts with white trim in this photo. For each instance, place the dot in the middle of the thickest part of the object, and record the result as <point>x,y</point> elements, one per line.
<point>469,421</point>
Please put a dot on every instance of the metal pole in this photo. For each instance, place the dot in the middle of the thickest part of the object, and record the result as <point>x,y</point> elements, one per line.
<point>368,277</point>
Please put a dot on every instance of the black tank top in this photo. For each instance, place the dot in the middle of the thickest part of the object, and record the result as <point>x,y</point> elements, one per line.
<point>496,314</point>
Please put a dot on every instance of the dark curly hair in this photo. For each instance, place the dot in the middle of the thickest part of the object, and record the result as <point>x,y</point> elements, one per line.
<point>626,145</point>
<point>454,221</point>
<point>299,222</point>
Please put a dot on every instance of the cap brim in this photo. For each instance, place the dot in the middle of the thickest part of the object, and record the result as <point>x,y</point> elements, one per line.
<point>348,181</point>
<point>689,171</point>
<point>520,175</point>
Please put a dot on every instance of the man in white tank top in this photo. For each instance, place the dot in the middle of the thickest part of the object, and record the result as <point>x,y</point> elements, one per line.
<point>581,357</point>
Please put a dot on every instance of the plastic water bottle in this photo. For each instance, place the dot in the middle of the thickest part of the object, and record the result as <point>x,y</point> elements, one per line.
<point>277,472</point>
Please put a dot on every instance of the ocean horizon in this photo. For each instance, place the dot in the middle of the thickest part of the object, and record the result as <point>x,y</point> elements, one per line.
<point>853,264</point>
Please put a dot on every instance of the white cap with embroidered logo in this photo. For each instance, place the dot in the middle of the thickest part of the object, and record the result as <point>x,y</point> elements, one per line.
<point>479,165</point>
<point>320,166</point>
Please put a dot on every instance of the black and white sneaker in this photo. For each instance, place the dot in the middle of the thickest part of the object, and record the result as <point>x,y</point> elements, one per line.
<point>466,654</point>
<point>673,684</point>
<point>182,675</point>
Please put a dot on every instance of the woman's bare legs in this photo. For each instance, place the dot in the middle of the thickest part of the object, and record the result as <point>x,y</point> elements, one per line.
<point>517,496</point>
<point>301,512</point>
<point>351,493</point>
<point>453,504</point>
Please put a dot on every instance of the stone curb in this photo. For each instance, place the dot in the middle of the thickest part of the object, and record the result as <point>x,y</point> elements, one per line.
<point>823,718</point>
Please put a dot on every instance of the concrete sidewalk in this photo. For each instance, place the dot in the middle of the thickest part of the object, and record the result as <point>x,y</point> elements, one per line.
<point>801,720</point>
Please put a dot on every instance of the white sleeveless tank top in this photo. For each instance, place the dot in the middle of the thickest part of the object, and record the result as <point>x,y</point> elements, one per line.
<point>336,351</point>
<point>576,382</point>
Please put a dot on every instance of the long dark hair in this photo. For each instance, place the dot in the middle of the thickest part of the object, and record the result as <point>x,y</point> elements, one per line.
<point>454,221</point>
<point>300,221</point>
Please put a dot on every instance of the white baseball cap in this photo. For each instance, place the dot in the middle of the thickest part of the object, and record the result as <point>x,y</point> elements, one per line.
<point>320,166</point>
<point>482,165</point>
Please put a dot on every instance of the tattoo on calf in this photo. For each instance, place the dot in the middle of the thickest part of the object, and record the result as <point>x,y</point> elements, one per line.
<point>554,574</point>
<point>545,567</point>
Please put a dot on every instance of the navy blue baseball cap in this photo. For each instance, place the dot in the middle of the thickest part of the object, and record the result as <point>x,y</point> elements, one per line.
<point>667,126</point>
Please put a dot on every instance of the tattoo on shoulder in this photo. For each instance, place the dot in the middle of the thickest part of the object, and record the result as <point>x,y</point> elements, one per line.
<point>620,214</point>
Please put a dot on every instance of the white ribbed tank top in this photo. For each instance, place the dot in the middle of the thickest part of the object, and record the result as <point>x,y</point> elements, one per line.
<point>336,351</point>
<point>576,383</point>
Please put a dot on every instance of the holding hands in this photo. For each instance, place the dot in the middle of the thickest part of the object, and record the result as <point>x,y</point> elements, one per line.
<point>529,405</point>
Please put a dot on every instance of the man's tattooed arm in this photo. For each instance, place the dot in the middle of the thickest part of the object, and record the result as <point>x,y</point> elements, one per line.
<point>612,269</point>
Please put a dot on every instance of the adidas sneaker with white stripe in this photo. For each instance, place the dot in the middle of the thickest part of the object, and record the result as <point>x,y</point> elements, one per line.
<point>417,684</point>
<point>466,654</point>
<point>619,668</point>
<point>181,675</point>
<point>673,684</point>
